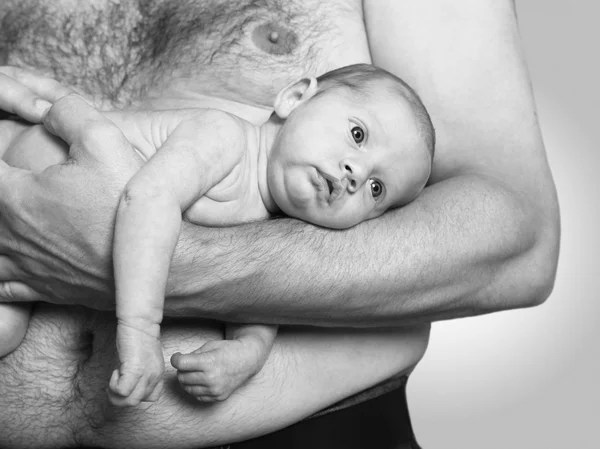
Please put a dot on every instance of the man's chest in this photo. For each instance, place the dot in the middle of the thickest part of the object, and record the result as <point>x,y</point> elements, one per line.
<point>123,50</point>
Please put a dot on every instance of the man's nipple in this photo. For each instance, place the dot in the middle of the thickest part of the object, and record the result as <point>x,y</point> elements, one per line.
<point>274,39</point>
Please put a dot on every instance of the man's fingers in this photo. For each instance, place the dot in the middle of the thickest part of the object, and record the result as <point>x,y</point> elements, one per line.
<point>16,98</point>
<point>43,86</point>
<point>4,166</point>
<point>8,269</point>
<point>86,130</point>
<point>13,291</point>
<point>9,169</point>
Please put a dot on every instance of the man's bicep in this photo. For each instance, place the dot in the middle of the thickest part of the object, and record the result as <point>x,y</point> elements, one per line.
<point>447,50</point>
<point>490,178</point>
<point>465,61</point>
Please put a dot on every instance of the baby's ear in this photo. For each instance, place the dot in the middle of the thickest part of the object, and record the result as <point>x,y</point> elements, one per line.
<point>294,95</point>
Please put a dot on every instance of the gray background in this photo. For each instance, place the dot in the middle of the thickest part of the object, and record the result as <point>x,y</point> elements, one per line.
<point>530,378</point>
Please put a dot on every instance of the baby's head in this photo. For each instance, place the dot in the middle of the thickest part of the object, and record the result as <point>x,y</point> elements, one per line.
<point>352,144</point>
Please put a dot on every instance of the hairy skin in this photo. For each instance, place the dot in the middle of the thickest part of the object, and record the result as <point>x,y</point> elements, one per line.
<point>53,386</point>
<point>122,51</point>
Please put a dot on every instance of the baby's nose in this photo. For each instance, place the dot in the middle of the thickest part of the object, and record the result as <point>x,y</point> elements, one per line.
<point>355,174</point>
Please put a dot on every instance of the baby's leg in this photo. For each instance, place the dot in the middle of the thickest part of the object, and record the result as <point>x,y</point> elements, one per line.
<point>14,319</point>
<point>219,367</point>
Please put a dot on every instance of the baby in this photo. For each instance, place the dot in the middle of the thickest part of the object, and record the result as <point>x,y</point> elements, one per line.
<point>337,150</point>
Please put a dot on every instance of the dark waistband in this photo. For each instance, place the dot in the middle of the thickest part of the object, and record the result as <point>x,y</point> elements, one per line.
<point>381,388</point>
<point>382,422</point>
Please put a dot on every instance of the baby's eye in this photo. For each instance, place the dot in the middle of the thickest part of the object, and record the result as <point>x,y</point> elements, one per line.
<point>357,134</point>
<point>376,188</point>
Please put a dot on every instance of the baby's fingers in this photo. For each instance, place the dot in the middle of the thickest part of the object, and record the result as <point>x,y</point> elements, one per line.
<point>128,390</point>
<point>123,384</point>
<point>124,390</point>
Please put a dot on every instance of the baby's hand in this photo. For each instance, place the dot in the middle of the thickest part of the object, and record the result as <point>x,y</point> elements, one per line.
<point>139,376</point>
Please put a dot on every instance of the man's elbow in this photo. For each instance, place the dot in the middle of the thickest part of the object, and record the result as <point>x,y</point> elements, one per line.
<point>535,271</point>
<point>545,258</point>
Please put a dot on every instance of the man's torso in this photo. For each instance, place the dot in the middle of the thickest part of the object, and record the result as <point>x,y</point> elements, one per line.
<point>123,51</point>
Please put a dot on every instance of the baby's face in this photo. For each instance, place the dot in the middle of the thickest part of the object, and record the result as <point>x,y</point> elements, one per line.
<point>338,160</point>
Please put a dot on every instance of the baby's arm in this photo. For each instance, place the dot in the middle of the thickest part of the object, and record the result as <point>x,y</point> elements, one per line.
<point>197,154</point>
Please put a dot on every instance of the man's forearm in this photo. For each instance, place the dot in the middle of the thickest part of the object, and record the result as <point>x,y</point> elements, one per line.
<point>483,237</point>
<point>466,246</point>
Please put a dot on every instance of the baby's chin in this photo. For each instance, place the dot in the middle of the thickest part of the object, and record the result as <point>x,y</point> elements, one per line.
<point>331,222</point>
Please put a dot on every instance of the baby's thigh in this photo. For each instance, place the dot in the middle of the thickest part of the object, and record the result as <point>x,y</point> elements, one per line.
<point>30,147</point>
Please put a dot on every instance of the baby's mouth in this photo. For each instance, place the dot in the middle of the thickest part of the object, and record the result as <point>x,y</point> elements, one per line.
<point>334,187</point>
<point>329,185</point>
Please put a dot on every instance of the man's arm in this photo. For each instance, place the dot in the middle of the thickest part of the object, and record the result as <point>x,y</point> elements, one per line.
<point>482,237</point>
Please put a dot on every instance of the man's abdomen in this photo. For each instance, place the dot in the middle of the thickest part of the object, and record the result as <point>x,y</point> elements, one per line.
<point>53,387</point>
<point>39,405</point>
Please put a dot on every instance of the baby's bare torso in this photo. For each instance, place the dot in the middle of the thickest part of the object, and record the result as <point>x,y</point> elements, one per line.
<point>234,199</point>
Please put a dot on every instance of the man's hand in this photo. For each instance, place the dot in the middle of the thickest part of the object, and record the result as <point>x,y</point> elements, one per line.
<point>56,225</point>
<point>28,94</point>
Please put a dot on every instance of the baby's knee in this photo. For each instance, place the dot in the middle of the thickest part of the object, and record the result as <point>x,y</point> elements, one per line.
<point>14,319</point>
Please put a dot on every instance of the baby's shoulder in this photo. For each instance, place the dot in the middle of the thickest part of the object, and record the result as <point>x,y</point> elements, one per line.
<point>225,130</point>
<point>235,199</point>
